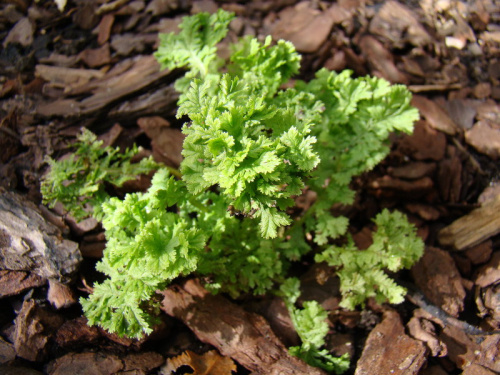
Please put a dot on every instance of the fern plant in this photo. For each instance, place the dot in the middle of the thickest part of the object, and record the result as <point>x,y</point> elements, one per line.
<point>251,147</point>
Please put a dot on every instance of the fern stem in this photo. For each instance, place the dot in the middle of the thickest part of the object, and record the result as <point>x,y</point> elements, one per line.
<point>174,172</point>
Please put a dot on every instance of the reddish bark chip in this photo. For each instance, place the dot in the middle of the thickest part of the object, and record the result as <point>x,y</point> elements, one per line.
<point>105,28</point>
<point>389,350</point>
<point>485,138</point>
<point>305,27</point>
<point>381,60</point>
<point>437,276</point>
<point>435,115</point>
<point>425,143</point>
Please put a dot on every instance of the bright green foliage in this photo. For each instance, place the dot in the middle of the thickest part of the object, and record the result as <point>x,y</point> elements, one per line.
<point>266,66</point>
<point>354,117</point>
<point>195,46</point>
<point>78,182</point>
<point>257,153</point>
<point>236,259</point>
<point>311,325</point>
<point>329,226</point>
<point>234,142</point>
<point>147,247</point>
<point>251,147</point>
<point>395,246</point>
<point>242,261</point>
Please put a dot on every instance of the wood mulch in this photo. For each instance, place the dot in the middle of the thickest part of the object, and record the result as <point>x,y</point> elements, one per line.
<point>91,65</point>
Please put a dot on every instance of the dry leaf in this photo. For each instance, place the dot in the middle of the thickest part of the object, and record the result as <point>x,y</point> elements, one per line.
<point>209,363</point>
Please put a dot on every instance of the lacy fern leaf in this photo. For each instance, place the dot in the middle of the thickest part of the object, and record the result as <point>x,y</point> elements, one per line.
<point>311,325</point>
<point>78,181</point>
<point>395,246</point>
<point>251,147</point>
<point>147,247</point>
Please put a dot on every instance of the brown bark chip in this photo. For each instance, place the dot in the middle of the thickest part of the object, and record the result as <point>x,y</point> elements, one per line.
<point>166,141</point>
<point>425,143</point>
<point>481,253</point>
<point>60,295</point>
<point>105,28</point>
<point>485,138</point>
<point>307,28</point>
<point>34,327</point>
<point>381,60</point>
<point>76,333</point>
<point>449,178</point>
<point>438,278</point>
<point>389,350</point>
<point>399,25</point>
<point>22,32</point>
<point>422,328</point>
<point>489,273</point>
<point>245,337</point>
<point>125,79</point>
<point>86,364</point>
<point>435,115</point>
<point>97,57</point>
<point>462,350</point>
<point>16,282</point>
<point>7,352</point>
<point>413,171</point>
<point>477,370</point>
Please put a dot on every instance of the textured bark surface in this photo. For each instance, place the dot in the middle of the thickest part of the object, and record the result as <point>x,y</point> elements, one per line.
<point>389,350</point>
<point>29,243</point>
<point>15,282</point>
<point>246,337</point>
<point>34,329</point>
<point>104,364</point>
<point>439,279</point>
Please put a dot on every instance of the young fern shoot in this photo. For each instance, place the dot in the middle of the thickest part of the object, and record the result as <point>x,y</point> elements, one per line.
<point>251,147</point>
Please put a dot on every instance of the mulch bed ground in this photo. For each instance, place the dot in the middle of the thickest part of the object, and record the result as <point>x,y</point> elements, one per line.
<point>91,65</point>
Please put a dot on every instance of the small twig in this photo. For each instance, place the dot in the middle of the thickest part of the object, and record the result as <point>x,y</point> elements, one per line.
<point>438,87</point>
<point>109,7</point>
<point>417,298</point>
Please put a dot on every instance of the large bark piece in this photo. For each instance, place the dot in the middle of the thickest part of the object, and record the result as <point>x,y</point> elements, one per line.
<point>439,279</point>
<point>29,243</point>
<point>389,350</point>
<point>246,337</point>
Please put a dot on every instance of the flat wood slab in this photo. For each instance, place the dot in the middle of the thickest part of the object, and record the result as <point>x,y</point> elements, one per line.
<point>474,228</point>
<point>119,84</point>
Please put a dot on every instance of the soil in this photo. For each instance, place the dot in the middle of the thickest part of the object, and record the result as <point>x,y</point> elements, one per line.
<point>89,64</point>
